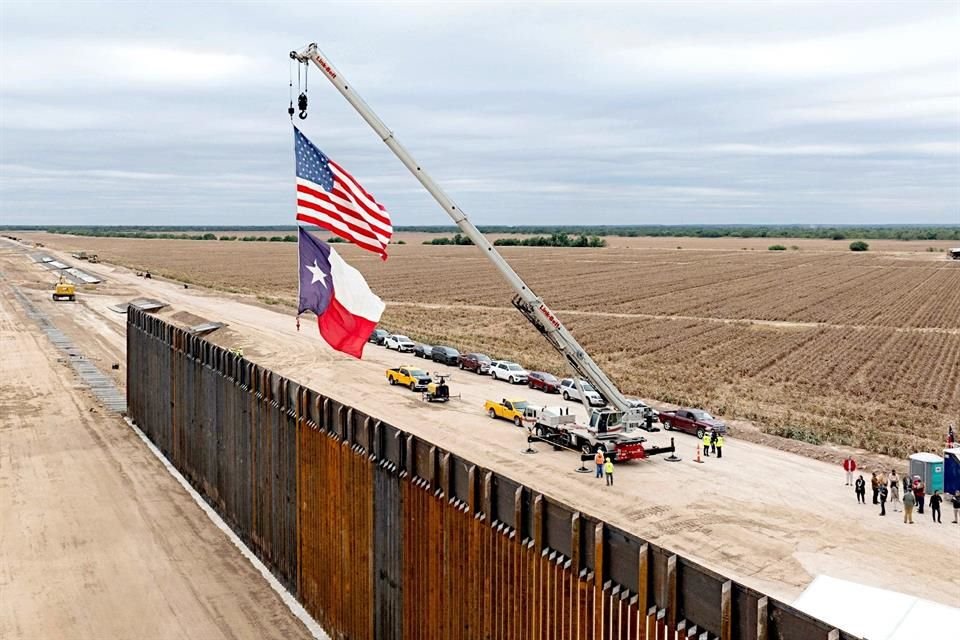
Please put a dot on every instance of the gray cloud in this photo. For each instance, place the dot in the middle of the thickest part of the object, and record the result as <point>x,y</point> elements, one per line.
<point>174,113</point>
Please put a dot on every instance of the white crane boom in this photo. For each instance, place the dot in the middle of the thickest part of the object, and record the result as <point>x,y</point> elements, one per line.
<point>531,305</point>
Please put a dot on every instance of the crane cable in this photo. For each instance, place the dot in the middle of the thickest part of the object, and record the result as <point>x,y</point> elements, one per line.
<point>290,109</point>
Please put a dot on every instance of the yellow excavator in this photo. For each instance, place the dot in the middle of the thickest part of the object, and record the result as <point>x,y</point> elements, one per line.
<point>64,291</point>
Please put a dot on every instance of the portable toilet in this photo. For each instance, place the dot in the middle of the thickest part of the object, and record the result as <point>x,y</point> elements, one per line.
<point>929,466</point>
<point>951,470</point>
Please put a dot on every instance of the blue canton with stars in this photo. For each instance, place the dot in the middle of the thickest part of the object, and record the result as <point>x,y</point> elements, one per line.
<point>312,164</point>
<point>316,273</point>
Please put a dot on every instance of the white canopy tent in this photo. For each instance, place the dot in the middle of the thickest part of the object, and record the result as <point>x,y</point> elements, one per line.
<point>877,614</point>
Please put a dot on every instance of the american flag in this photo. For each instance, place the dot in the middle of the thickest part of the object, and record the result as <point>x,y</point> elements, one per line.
<point>331,198</point>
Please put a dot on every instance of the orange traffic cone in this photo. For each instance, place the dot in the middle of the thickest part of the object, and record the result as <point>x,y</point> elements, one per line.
<point>698,455</point>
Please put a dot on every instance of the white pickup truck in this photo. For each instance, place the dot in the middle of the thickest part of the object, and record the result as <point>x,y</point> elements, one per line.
<point>403,344</point>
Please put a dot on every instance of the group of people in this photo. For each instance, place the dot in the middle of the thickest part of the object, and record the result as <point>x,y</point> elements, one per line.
<point>604,467</point>
<point>886,488</point>
<point>712,443</point>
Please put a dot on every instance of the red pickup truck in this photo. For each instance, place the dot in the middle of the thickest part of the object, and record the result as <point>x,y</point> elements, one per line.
<point>695,421</point>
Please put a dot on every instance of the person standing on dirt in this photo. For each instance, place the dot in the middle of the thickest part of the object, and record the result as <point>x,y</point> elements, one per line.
<point>908,502</point>
<point>919,490</point>
<point>894,490</point>
<point>875,485</point>
<point>706,444</point>
<point>608,469</point>
<point>883,499</point>
<point>713,441</point>
<point>860,488</point>
<point>719,447</point>
<point>598,460</point>
<point>935,501</point>
<point>849,465</point>
<point>906,483</point>
<point>951,437</point>
<point>956,507</point>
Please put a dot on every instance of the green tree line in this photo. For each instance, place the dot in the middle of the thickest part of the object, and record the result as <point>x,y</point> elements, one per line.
<point>830,232</point>
<point>836,232</point>
<point>553,240</point>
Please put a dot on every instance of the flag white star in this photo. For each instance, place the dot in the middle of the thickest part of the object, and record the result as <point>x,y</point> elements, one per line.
<point>318,274</point>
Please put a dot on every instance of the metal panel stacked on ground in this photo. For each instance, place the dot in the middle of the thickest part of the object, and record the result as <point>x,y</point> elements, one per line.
<point>98,382</point>
<point>384,535</point>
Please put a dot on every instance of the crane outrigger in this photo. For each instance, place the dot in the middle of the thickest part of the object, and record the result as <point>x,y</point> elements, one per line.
<point>624,415</point>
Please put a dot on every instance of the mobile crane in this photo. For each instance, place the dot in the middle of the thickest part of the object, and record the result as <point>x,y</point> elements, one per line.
<point>623,416</point>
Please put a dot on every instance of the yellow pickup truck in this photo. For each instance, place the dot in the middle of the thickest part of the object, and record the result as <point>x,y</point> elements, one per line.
<point>412,377</point>
<point>507,409</point>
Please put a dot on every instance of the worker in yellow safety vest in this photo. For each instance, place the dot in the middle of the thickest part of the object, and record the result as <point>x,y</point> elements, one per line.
<point>608,469</point>
<point>706,444</point>
<point>719,446</point>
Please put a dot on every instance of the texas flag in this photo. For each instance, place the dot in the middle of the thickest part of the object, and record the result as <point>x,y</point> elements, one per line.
<point>347,311</point>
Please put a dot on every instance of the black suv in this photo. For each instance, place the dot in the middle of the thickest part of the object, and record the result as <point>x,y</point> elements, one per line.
<point>378,336</point>
<point>422,351</point>
<point>445,355</point>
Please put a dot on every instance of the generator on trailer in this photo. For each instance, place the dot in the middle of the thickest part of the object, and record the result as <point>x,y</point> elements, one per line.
<point>438,390</point>
<point>622,415</point>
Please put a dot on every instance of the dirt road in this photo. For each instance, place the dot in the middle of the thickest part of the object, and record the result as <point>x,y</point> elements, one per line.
<point>97,540</point>
<point>769,519</point>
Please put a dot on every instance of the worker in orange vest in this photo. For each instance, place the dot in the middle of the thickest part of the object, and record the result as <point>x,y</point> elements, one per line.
<point>598,460</point>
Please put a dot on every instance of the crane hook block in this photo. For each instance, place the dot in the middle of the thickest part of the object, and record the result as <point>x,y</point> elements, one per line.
<point>302,105</point>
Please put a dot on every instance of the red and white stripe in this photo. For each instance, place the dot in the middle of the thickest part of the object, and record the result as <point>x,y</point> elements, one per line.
<point>347,211</point>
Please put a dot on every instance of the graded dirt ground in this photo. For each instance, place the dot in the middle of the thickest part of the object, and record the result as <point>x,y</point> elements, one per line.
<point>97,540</point>
<point>817,343</point>
<point>768,518</point>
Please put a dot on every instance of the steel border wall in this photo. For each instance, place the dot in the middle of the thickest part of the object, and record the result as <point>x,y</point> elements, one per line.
<point>382,534</point>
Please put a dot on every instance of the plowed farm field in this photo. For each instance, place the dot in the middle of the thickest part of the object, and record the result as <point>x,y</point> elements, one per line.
<point>817,344</point>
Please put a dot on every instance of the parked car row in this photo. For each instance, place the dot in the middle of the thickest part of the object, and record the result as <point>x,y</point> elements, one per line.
<point>479,363</point>
<point>693,421</point>
<point>483,364</point>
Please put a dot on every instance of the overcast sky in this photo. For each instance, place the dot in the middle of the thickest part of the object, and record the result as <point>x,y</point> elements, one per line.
<point>663,113</point>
